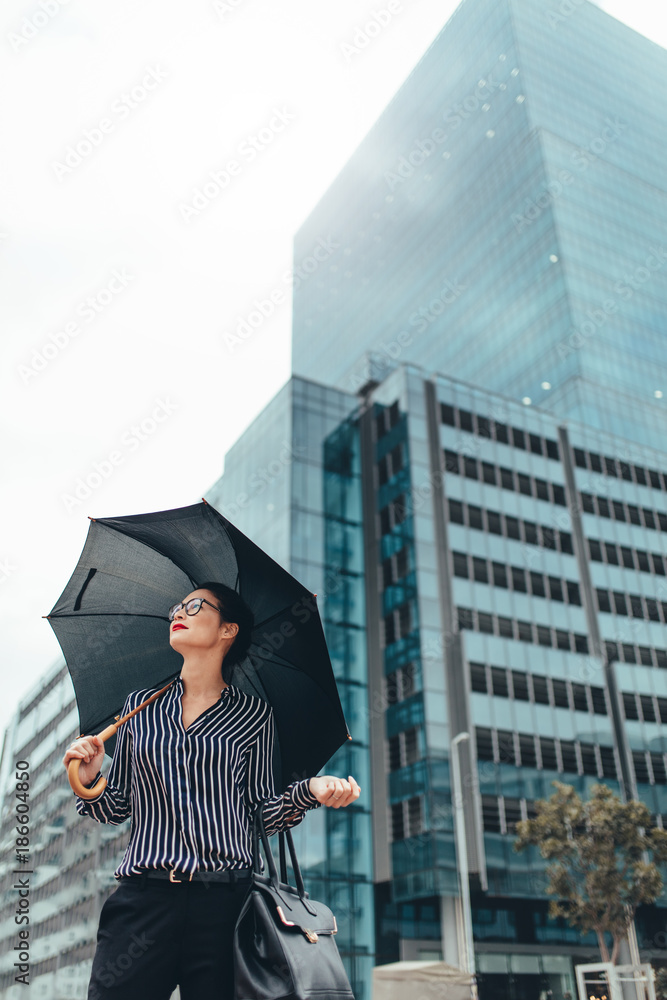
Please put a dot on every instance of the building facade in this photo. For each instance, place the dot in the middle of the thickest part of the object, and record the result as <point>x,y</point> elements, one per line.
<point>503,221</point>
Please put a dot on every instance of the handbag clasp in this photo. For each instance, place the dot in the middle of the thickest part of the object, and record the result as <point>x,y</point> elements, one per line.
<point>311,935</point>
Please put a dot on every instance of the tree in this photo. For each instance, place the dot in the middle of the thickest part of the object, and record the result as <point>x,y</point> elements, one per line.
<point>600,872</point>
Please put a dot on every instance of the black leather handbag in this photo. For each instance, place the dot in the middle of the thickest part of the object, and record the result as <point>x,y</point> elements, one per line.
<point>284,946</point>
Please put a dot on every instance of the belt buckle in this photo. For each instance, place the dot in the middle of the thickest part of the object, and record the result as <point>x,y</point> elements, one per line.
<point>176,880</point>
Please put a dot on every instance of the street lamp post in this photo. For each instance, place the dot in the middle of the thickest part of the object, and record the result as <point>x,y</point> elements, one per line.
<point>468,949</point>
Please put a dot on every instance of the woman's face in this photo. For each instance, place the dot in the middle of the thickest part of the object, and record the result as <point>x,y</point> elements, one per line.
<point>204,630</point>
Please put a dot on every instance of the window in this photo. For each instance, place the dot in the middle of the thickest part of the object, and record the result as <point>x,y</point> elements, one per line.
<point>490,814</point>
<point>389,629</point>
<point>552,449</point>
<point>542,489</point>
<point>648,708</point>
<point>518,579</point>
<point>561,699</point>
<point>586,503</point>
<point>573,596</point>
<point>478,678</point>
<point>608,761</point>
<point>641,767</point>
<point>633,514</point>
<point>658,564</point>
<point>493,522</point>
<point>507,479</point>
<point>525,631</point>
<point>612,554</point>
<point>405,620</point>
<point>499,574</point>
<point>610,466</point>
<point>563,640</point>
<point>569,755</point>
<point>599,701</point>
<point>537,585</point>
<point>649,519</point>
<point>626,558</point>
<point>540,690</point>
<point>652,609</point>
<point>465,420</point>
<point>455,511</point>
<point>580,643</point>
<point>483,426</point>
<point>397,826</point>
<point>484,744</point>
<point>636,609</point>
<point>479,570</point>
<point>558,494</point>
<point>518,438</point>
<point>460,561</point>
<point>501,433</point>
<point>579,697</point>
<point>594,550</point>
<point>525,485</point>
<point>527,750</point>
<point>580,458</point>
<point>512,814</point>
<point>654,478</point>
<point>415,816</point>
<point>520,685</point>
<point>447,414</point>
<point>451,461</point>
<point>485,622</point>
<point>475,517</point>
<point>548,538</point>
<point>565,539</point>
<point>603,507</point>
<point>555,589</point>
<point>464,618</point>
<point>596,462</point>
<point>626,471</point>
<point>499,682</point>
<point>489,473</point>
<point>470,469</point>
<point>619,511</point>
<point>548,752</point>
<point>411,741</point>
<point>530,533</point>
<point>640,475</point>
<point>620,606</point>
<point>394,753</point>
<point>642,559</point>
<point>505,627</point>
<point>536,444</point>
<point>543,635</point>
<point>588,759</point>
<point>512,527</point>
<point>391,688</point>
<point>604,604</point>
<point>506,750</point>
<point>629,655</point>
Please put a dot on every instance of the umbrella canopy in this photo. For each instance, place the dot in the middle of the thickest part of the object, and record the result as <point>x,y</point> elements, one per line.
<point>111,623</point>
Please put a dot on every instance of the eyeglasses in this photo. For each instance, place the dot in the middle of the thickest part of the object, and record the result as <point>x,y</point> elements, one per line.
<point>191,608</point>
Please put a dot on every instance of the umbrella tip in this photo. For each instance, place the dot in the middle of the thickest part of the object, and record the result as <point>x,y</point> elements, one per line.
<point>90,518</point>
<point>204,500</point>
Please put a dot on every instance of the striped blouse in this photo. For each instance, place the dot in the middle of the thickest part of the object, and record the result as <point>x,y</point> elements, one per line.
<point>190,792</point>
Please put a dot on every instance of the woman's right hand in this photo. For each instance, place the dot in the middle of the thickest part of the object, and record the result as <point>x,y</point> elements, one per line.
<point>90,750</point>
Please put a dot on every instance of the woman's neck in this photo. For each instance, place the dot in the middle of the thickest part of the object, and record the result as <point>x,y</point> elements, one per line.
<point>202,679</point>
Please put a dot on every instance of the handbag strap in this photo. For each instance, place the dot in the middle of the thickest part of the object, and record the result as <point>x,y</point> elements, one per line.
<point>259,833</point>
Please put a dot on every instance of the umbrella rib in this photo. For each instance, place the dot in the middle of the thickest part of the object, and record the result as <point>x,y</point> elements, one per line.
<point>108,614</point>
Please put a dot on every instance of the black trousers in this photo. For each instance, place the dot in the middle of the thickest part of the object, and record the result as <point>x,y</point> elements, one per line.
<point>155,935</point>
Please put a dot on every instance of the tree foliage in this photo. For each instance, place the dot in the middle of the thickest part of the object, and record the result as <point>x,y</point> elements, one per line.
<point>600,853</point>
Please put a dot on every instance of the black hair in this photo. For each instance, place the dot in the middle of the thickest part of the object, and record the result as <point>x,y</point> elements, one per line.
<point>233,609</point>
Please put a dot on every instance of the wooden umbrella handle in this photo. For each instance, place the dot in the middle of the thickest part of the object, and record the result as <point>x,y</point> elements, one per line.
<point>76,784</point>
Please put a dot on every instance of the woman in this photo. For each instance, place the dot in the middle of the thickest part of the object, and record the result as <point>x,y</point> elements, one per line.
<point>189,769</point>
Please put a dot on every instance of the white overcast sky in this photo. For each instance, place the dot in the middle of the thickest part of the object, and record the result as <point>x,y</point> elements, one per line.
<point>166,291</point>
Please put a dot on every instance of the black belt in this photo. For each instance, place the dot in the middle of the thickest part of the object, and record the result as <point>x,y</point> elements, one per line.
<point>171,875</point>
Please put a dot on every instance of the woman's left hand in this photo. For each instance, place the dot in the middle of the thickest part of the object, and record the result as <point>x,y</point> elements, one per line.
<point>334,792</point>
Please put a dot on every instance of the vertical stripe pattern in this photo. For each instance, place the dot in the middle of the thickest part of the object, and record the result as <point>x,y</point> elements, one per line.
<point>191,792</point>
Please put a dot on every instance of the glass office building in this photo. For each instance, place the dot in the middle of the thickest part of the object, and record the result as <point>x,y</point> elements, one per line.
<point>504,221</point>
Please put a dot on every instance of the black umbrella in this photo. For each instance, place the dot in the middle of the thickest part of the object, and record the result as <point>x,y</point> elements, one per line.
<point>111,623</point>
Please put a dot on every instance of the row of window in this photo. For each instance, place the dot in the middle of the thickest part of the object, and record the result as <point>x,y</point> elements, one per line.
<point>621,555</point>
<point>398,623</point>
<point>390,464</point>
<point>395,567</point>
<point>546,754</point>
<point>403,749</point>
<point>400,684</point>
<point>619,510</point>
<point>407,818</point>
<point>645,707</point>
<point>516,684</point>
<point>627,653</point>
<point>487,427</point>
<point>507,479</point>
<point>509,628</point>
<point>620,470</point>
<point>515,578</point>
<point>500,814</point>
<point>631,605</point>
<point>386,419</point>
<point>510,527</point>
<point>392,514</point>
